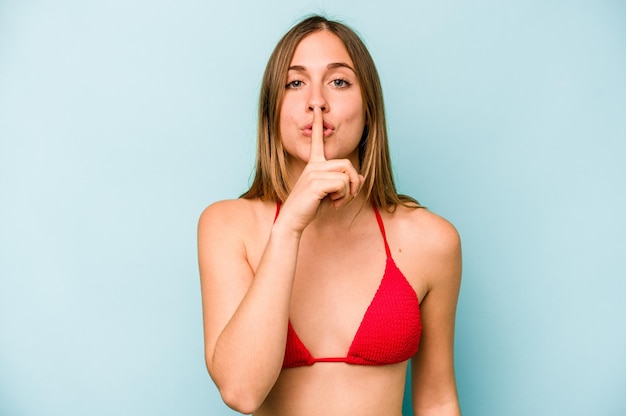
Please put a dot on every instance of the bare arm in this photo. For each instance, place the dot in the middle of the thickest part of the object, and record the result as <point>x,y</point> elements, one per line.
<point>434,386</point>
<point>246,312</point>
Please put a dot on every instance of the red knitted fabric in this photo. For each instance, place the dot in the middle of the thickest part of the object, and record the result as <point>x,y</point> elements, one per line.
<point>389,332</point>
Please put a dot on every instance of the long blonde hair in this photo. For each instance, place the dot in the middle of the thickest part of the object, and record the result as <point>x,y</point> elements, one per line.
<point>271,181</point>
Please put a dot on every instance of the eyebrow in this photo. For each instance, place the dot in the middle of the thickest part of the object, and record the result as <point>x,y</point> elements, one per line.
<point>333,65</point>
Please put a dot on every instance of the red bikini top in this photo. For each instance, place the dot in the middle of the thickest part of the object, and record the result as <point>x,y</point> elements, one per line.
<point>389,332</point>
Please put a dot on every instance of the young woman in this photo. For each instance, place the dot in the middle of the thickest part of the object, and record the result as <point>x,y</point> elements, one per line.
<point>321,282</point>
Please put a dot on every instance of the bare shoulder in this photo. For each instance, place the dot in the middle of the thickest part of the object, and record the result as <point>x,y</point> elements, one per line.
<point>233,214</point>
<point>419,226</point>
<point>236,225</point>
<point>426,246</point>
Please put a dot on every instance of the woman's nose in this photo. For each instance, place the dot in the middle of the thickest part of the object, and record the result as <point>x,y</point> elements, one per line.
<point>317,98</point>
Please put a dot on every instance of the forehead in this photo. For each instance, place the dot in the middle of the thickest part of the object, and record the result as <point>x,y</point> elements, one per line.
<point>319,49</point>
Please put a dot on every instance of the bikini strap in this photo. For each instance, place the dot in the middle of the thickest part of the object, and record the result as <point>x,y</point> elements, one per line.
<point>277,210</point>
<point>382,231</point>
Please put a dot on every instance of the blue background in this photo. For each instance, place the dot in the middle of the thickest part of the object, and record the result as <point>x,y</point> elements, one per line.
<point>121,120</point>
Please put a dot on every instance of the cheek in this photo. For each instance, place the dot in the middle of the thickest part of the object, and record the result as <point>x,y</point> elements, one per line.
<point>356,116</point>
<point>286,112</point>
<point>355,109</point>
<point>286,126</point>
<point>283,115</point>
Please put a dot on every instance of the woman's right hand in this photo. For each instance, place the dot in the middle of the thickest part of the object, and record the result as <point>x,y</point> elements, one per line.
<point>335,179</point>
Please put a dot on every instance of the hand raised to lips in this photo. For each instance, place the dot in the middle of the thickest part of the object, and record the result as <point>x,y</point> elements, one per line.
<point>335,180</point>
<point>316,153</point>
<point>354,181</point>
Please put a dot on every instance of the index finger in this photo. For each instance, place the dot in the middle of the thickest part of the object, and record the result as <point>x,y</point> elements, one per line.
<point>317,137</point>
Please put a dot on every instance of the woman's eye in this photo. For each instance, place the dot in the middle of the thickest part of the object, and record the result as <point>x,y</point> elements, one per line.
<point>294,84</point>
<point>340,83</point>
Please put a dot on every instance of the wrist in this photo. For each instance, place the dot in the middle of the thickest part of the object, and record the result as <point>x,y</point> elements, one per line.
<point>284,232</point>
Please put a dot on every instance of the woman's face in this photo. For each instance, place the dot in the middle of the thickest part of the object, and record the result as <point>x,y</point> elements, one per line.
<point>321,74</point>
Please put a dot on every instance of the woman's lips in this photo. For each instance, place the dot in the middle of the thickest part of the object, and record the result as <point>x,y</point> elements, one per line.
<point>307,130</point>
